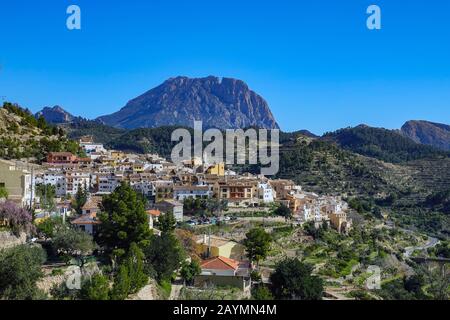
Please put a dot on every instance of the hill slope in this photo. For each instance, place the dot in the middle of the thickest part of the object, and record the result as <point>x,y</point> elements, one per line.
<point>429,133</point>
<point>22,136</point>
<point>220,103</point>
<point>382,144</point>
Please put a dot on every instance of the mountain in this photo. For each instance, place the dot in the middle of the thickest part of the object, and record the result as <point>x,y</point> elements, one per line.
<point>429,133</point>
<point>382,144</point>
<point>222,103</point>
<point>55,115</point>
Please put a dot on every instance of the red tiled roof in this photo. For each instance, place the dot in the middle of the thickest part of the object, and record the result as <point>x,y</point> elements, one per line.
<point>220,263</point>
<point>155,213</point>
<point>89,218</point>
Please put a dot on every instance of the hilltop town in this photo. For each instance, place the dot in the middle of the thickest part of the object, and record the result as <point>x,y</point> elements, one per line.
<point>139,226</point>
<point>215,207</point>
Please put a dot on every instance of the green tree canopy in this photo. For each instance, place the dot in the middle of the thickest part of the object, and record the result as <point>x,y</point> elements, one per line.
<point>3,193</point>
<point>96,288</point>
<point>49,227</point>
<point>292,280</point>
<point>80,200</point>
<point>283,211</point>
<point>123,221</point>
<point>167,222</point>
<point>164,255</point>
<point>47,194</point>
<point>257,244</point>
<point>190,270</point>
<point>20,269</point>
<point>73,243</point>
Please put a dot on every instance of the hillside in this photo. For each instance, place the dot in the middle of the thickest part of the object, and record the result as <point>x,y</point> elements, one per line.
<point>148,140</point>
<point>372,186</point>
<point>23,136</point>
<point>101,133</point>
<point>382,144</point>
<point>429,133</point>
<point>220,103</point>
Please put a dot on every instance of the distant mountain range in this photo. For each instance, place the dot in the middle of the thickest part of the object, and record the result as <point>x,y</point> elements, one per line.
<point>227,103</point>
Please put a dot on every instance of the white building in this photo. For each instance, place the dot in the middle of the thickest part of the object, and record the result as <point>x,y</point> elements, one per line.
<point>108,183</point>
<point>265,193</point>
<point>195,192</point>
<point>56,179</point>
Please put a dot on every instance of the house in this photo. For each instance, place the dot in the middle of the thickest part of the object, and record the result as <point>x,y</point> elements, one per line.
<point>282,187</point>
<point>163,190</point>
<point>153,216</point>
<point>239,193</point>
<point>213,246</point>
<point>56,179</point>
<point>17,181</point>
<point>222,271</point>
<point>195,192</point>
<point>171,206</point>
<point>216,169</point>
<point>90,147</point>
<point>265,193</point>
<point>60,157</point>
<point>76,180</point>
<point>107,183</point>
<point>92,205</point>
<point>87,222</point>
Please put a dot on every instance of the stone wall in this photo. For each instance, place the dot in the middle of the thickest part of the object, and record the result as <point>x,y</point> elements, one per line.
<point>8,240</point>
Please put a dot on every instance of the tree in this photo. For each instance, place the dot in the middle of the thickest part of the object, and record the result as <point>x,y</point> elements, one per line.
<point>47,194</point>
<point>135,265</point>
<point>262,293</point>
<point>20,269</point>
<point>73,243</point>
<point>189,271</point>
<point>283,211</point>
<point>96,288</point>
<point>50,226</point>
<point>257,244</point>
<point>3,193</point>
<point>131,276</point>
<point>167,222</point>
<point>292,280</point>
<point>80,200</point>
<point>123,221</point>
<point>315,232</point>
<point>17,219</point>
<point>164,255</point>
<point>122,285</point>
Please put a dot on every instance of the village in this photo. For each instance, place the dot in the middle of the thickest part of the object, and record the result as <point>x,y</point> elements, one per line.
<point>233,199</point>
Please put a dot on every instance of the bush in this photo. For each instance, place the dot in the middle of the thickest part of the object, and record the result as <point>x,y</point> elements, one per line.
<point>97,288</point>
<point>20,269</point>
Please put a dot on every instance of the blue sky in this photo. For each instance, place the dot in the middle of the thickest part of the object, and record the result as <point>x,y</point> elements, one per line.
<point>315,62</point>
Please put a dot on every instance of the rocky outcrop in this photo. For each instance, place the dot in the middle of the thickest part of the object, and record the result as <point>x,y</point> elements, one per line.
<point>429,133</point>
<point>222,103</point>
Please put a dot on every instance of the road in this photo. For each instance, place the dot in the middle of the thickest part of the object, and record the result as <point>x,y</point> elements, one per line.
<point>432,242</point>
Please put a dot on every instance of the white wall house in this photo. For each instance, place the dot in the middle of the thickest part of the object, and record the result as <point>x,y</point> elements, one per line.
<point>265,193</point>
<point>56,179</point>
<point>195,192</point>
<point>108,183</point>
